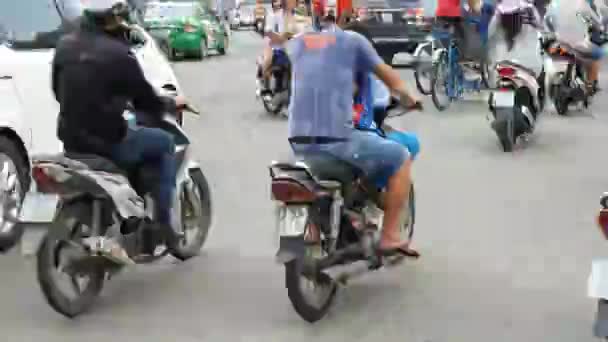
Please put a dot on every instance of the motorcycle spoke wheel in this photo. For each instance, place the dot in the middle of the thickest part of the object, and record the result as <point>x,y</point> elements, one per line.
<point>196,217</point>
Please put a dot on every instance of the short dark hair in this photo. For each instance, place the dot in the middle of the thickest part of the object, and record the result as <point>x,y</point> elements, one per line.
<point>360,28</point>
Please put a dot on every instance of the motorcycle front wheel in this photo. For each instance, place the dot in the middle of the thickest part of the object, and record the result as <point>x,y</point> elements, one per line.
<point>196,217</point>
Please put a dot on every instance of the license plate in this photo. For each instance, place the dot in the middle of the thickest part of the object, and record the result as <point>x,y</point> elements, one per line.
<point>291,220</point>
<point>504,99</point>
<point>597,286</point>
<point>30,241</point>
<point>38,207</point>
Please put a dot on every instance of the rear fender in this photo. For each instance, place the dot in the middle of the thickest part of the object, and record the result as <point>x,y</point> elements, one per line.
<point>127,202</point>
<point>68,214</point>
<point>290,248</point>
<point>519,83</point>
<point>292,190</point>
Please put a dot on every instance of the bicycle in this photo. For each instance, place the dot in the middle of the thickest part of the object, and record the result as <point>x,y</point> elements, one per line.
<point>446,63</point>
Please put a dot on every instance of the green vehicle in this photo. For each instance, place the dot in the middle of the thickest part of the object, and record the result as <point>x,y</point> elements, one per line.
<point>185,29</point>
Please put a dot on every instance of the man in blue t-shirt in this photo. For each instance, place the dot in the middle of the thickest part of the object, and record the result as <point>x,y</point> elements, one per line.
<point>324,65</point>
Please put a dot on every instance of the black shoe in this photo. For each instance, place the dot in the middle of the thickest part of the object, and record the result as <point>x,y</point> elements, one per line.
<point>151,239</point>
<point>170,237</point>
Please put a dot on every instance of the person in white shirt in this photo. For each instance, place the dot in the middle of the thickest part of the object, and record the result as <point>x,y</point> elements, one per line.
<point>510,17</point>
<point>275,24</point>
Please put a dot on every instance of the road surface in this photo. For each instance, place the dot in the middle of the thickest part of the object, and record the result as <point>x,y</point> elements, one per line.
<point>507,239</point>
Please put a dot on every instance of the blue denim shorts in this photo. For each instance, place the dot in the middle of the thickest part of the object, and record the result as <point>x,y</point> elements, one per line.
<point>377,157</point>
<point>597,53</point>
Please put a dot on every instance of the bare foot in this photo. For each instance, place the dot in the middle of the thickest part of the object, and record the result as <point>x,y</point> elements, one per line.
<point>390,245</point>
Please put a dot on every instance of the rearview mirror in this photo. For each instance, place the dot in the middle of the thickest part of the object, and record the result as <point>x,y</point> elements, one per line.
<point>550,23</point>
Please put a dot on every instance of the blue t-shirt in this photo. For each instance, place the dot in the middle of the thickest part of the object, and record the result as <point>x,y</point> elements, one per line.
<point>324,65</point>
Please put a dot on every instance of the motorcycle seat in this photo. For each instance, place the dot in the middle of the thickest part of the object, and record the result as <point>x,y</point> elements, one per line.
<point>329,168</point>
<point>81,161</point>
<point>581,51</point>
<point>518,65</point>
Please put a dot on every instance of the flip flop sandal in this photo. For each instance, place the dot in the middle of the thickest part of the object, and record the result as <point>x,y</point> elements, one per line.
<point>402,251</point>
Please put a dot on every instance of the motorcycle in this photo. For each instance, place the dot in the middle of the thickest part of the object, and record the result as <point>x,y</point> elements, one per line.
<point>102,210</point>
<point>597,285</point>
<point>566,65</point>
<point>276,96</point>
<point>327,227</point>
<point>516,104</point>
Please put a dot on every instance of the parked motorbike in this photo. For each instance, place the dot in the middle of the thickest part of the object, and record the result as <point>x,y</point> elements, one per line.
<point>566,65</point>
<point>276,97</point>
<point>100,205</point>
<point>597,286</point>
<point>516,103</point>
<point>327,227</point>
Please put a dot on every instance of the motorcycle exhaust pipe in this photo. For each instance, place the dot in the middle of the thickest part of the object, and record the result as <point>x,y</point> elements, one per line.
<point>351,251</point>
<point>344,273</point>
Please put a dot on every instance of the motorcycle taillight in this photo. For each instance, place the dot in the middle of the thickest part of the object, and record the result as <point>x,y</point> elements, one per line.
<point>290,191</point>
<point>47,180</point>
<point>602,222</point>
<point>505,71</point>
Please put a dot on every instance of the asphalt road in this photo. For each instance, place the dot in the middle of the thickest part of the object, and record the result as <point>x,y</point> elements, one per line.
<point>507,239</point>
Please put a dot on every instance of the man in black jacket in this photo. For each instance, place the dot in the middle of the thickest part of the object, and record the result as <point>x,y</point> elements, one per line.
<point>94,75</point>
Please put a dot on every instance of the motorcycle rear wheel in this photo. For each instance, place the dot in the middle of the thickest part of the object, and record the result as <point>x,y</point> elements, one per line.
<point>48,261</point>
<point>303,306</point>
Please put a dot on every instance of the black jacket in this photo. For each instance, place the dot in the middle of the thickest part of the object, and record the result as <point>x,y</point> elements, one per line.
<point>94,75</point>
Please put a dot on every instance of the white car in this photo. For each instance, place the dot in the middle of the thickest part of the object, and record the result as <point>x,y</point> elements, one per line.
<point>28,109</point>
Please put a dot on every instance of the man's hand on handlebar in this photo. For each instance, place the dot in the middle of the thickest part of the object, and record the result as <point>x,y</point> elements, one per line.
<point>180,102</point>
<point>410,103</point>
<point>182,105</point>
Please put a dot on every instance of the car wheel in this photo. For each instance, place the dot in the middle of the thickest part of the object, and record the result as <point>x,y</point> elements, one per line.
<point>14,182</point>
<point>171,53</point>
<point>224,49</point>
<point>204,50</point>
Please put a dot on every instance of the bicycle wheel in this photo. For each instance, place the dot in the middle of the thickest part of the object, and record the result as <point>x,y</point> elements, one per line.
<point>423,73</point>
<point>439,81</point>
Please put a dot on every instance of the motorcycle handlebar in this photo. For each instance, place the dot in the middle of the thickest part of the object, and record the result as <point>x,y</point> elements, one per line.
<point>392,108</point>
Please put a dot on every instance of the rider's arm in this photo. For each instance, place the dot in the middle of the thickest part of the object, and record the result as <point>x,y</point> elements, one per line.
<point>135,86</point>
<point>474,5</point>
<point>369,61</point>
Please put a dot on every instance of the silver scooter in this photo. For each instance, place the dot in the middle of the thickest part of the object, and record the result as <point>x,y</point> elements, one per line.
<point>103,216</point>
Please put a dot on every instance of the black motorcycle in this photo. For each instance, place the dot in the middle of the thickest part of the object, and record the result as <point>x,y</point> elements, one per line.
<point>327,219</point>
<point>516,103</point>
<point>568,81</point>
<point>275,96</point>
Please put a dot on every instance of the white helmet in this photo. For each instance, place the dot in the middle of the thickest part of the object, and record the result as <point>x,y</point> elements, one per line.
<point>95,10</point>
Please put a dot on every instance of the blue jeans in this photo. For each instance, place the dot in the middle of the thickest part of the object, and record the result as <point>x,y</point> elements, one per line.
<point>151,146</point>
